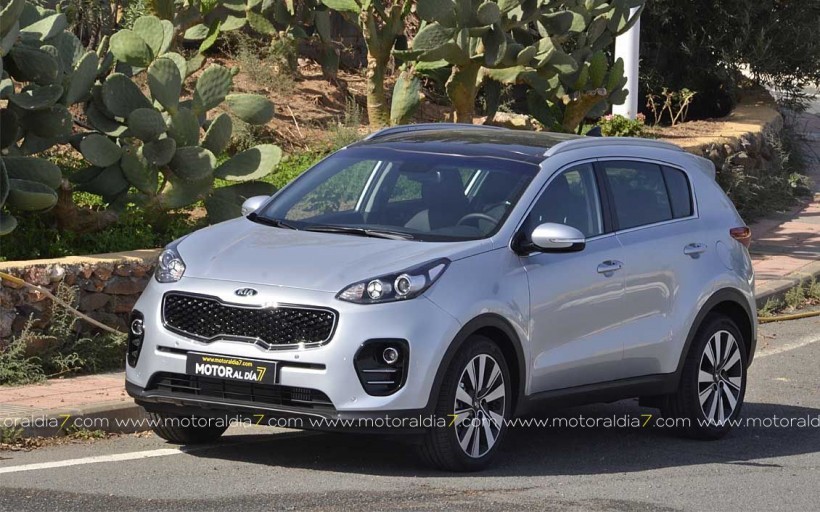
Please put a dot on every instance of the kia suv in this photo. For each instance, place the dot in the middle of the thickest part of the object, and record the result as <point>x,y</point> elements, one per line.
<point>442,279</point>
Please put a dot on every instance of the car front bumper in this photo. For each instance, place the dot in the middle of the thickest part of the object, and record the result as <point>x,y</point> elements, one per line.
<point>328,369</point>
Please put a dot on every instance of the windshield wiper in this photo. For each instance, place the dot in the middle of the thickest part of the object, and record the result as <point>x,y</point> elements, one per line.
<point>374,233</point>
<point>277,223</point>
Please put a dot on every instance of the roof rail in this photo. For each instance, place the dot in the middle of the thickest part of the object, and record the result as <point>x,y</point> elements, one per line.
<point>427,126</point>
<point>591,142</point>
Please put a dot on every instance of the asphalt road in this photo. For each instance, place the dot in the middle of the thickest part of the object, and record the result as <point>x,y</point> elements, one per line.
<point>608,469</point>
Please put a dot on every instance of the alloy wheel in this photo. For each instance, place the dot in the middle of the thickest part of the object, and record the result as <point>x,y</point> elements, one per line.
<point>478,411</point>
<point>720,378</point>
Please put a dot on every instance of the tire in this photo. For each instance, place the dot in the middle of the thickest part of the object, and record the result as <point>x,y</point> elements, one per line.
<point>695,403</point>
<point>186,429</point>
<point>470,422</point>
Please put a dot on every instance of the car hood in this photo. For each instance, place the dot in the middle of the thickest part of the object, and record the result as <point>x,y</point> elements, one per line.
<point>243,251</point>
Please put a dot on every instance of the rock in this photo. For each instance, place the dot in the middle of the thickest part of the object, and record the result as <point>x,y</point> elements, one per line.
<point>90,285</point>
<point>109,319</point>
<point>56,274</point>
<point>7,317</point>
<point>125,286</point>
<point>122,270</point>
<point>93,301</point>
<point>123,303</point>
<point>103,272</point>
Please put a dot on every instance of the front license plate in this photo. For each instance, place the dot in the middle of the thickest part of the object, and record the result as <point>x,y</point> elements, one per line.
<point>231,368</point>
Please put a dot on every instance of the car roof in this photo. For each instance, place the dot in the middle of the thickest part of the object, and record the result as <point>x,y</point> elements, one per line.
<point>493,141</point>
<point>468,140</point>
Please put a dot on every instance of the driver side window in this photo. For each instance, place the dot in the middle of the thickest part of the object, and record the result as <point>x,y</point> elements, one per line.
<point>571,198</point>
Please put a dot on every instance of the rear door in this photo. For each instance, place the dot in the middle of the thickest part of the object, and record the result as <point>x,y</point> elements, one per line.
<point>665,255</point>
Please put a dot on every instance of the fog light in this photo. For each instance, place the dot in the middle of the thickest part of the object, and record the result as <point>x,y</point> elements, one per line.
<point>137,327</point>
<point>135,338</point>
<point>390,355</point>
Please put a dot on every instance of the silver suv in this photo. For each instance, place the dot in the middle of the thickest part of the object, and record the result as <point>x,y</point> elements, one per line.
<point>444,279</point>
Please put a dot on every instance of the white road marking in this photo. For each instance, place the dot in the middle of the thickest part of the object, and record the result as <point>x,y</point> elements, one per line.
<point>93,460</point>
<point>786,347</point>
<point>147,454</point>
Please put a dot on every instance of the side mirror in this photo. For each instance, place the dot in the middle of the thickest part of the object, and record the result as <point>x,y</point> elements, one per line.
<point>552,237</point>
<point>252,204</point>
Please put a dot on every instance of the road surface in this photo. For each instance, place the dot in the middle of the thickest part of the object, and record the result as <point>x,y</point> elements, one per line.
<point>757,467</point>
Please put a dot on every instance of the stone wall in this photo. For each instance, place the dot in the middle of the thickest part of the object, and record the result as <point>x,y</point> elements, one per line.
<point>742,138</point>
<point>108,286</point>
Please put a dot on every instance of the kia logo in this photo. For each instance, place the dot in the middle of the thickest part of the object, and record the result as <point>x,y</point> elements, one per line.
<point>246,292</point>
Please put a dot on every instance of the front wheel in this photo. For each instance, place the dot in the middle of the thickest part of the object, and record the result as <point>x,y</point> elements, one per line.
<point>475,400</point>
<point>187,429</point>
<point>713,382</point>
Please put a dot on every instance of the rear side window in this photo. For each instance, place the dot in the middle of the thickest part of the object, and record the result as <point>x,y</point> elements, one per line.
<point>680,193</point>
<point>639,192</point>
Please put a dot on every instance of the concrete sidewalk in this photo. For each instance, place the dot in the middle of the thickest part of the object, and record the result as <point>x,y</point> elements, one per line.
<point>94,402</point>
<point>786,247</point>
<point>785,250</point>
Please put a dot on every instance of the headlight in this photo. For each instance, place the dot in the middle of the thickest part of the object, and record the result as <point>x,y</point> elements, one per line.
<point>170,266</point>
<point>392,287</point>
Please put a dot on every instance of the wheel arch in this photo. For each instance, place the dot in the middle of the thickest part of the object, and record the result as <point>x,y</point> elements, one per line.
<point>498,329</point>
<point>733,304</point>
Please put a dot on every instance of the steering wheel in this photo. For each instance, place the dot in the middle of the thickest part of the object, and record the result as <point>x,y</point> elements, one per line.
<point>492,206</point>
<point>482,216</point>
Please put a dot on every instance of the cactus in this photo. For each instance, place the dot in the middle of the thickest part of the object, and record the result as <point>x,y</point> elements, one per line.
<point>491,40</point>
<point>45,70</point>
<point>155,143</point>
<point>381,23</point>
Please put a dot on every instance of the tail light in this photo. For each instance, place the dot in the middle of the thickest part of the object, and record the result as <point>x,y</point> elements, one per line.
<point>742,234</point>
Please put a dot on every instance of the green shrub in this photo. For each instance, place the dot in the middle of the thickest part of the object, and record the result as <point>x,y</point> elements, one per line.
<point>63,349</point>
<point>38,237</point>
<point>620,126</point>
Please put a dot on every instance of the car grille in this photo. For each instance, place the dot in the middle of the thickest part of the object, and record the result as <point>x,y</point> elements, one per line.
<point>208,318</point>
<point>234,392</point>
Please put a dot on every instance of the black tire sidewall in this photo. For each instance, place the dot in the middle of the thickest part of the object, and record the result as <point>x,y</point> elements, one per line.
<point>451,456</point>
<point>689,400</point>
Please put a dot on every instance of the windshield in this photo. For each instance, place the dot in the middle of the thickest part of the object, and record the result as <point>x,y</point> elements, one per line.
<point>393,193</point>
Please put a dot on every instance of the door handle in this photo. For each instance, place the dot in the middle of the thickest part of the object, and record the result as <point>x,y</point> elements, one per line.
<point>694,249</point>
<point>609,266</point>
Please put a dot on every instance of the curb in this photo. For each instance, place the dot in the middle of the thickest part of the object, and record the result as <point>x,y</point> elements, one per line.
<point>776,289</point>
<point>117,417</point>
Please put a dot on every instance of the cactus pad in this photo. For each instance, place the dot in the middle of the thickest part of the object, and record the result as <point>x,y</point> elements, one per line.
<point>218,134</point>
<point>251,108</point>
<point>159,152</point>
<point>100,150</point>
<point>193,163</point>
<point>250,164</point>
<point>36,98</point>
<point>211,88</point>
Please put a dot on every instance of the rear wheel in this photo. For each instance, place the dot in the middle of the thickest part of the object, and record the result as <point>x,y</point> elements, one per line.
<point>187,429</point>
<point>475,401</point>
<point>713,382</point>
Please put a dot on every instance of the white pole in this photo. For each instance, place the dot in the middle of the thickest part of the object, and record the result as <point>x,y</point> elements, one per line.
<point>627,47</point>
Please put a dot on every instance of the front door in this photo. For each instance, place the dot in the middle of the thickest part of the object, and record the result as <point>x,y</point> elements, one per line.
<point>575,297</point>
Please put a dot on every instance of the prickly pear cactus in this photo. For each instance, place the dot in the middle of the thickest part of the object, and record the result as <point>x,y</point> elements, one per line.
<point>164,148</point>
<point>480,40</point>
<point>381,23</point>
<point>45,70</point>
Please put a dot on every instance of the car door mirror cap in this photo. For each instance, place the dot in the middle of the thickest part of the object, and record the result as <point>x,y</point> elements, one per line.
<point>252,204</point>
<point>553,237</point>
